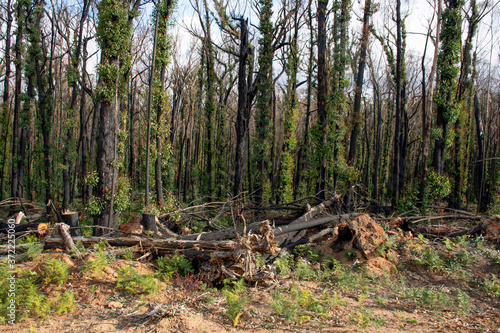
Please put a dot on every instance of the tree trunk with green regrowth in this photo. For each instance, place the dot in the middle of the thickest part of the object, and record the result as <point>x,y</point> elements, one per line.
<point>261,144</point>
<point>114,35</point>
<point>447,75</point>
<point>160,98</point>
<point>287,163</point>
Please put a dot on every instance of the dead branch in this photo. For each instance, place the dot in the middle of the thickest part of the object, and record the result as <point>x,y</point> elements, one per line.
<point>226,233</point>
<point>63,230</point>
<point>313,223</point>
<point>417,219</point>
<point>309,215</point>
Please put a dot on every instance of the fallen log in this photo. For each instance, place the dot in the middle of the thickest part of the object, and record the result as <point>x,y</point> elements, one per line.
<point>226,233</point>
<point>147,243</point>
<point>309,215</point>
<point>257,244</point>
<point>310,239</point>
<point>418,219</point>
<point>24,227</point>
<point>313,223</point>
<point>489,228</point>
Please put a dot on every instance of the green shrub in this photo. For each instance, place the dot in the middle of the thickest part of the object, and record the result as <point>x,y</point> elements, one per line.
<point>430,259</point>
<point>364,318</point>
<point>389,244</point>
<point>308,251</point>
<point>66,303</point>
<point>233,291</point>
<point>54,270</point>
<point>284,264</point>
<point>132,282</point>
<point>260,261</point>
<point>350,254</point>
<point>303,271</point>
<point>176,264</point>
<point>34,250</point>
<point>298,304</point>
<point>38,304</point>
<point>492,285</point>
<point>127,254</point>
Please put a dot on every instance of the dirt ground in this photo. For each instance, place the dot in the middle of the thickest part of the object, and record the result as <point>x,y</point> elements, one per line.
<point>400,290</point>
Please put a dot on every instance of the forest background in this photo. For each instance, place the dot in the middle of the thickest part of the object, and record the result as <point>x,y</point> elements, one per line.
<point>108,106</point>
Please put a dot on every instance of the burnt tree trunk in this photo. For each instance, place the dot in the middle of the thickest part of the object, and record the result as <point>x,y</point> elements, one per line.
<point>351,159</point>
<point>243,116</point>
<point>321,96</point>
<point>71,219</point>
<point>4,112</point>
<point>75,62</point>
<point>480,166</point>
<point>427,109</point>
<point>18,144</point>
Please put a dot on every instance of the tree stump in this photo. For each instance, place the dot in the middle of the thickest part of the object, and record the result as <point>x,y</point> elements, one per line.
<point>149,222</point>
<point>71,219</point>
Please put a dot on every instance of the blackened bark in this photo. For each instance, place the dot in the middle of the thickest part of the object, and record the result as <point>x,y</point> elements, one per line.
<point>480,165</point>
<point>356,115</point>
<point>4,119</point>
<point>359,83</point>
<point>376,156</point>
<point>75,62</point>
<point>131,129</point>
<point>427,109</point>
<point>84,120</point>
<point>321,97</point>
<point>158,162</point>
<point>17,132</point>
<point>106,155</point>
<point>243,116</point>
<point>44,94</point>
<point>401,125</point>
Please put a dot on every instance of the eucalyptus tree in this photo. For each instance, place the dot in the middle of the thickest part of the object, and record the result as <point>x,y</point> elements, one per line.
<point>20,114</point>
<point>287,164</point>
<point>427,100</point>
<point>337,97</point>
<point>322,90</point>
<point>160,98</point>
<point>401,122</point>
<point>39,64</point>
<point>464,98</point>
<point>73,76</point>
<point>261,144</point>
<point>447,74</point>
<point>114,35</point>
<point>5,109</point>
<point>303,171</point>
<point>397,68</point>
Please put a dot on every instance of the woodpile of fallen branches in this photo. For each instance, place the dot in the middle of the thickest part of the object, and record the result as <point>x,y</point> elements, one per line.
<point>221,253</point>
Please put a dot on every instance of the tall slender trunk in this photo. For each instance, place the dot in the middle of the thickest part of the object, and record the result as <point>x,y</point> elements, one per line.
<point>356,115</point>
<point>4,112</point>
<point>400,125</point>
<point>243,116</point>
<point>18,144</point>
<point>75,62</point>
<point>351,159</point>
<point>376,157</point>
<point>321,96</point>
<point>480,166</point>
<point>427,107</point>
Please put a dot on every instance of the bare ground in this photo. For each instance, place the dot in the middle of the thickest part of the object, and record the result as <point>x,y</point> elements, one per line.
<point>388,293</point>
